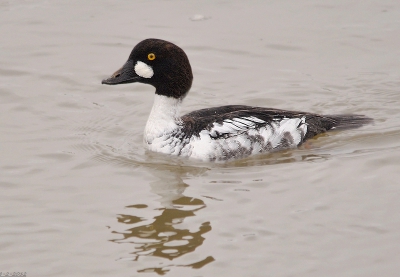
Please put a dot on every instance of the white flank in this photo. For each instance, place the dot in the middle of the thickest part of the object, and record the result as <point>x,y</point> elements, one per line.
<point>144,70</point>
<point>290,126</point>
<point>239,132</point>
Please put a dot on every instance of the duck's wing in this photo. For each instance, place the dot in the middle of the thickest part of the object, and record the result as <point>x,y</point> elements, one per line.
<point>233,120</point>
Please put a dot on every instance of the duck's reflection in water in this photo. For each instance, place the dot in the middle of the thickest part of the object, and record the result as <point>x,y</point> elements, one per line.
<point>165,235</point>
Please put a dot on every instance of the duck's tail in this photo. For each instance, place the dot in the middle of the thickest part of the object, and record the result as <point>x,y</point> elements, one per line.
<point>349,121</point>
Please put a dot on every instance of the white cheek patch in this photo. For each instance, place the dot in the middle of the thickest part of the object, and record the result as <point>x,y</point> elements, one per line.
<point>144,70</point>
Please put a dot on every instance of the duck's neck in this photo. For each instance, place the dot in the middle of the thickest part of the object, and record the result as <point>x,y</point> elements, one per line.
<point>164,117</point>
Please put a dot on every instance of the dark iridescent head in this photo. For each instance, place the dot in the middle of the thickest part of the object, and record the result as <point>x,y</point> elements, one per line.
<point>159,63</point>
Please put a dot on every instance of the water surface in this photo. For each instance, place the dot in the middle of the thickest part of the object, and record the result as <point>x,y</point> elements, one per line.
<point>81,197</point>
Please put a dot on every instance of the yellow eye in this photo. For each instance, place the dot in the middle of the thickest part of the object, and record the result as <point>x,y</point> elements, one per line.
<point>151,56</point>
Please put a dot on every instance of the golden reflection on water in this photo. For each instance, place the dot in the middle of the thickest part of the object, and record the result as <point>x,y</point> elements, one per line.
<point>164,237</point>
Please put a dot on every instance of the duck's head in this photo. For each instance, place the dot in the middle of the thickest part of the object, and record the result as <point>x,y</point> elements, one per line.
<point>159,63</point>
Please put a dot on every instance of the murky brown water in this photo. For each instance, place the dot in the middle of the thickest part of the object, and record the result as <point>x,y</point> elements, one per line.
<point>80,196</point>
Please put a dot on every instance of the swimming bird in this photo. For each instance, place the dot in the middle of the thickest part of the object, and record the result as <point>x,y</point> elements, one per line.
<point>218,133</point>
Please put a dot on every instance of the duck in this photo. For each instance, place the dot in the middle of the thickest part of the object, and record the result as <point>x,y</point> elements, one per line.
<point>215,134</point>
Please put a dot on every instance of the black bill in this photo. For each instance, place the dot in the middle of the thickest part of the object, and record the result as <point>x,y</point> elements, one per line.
<point>124,75</point>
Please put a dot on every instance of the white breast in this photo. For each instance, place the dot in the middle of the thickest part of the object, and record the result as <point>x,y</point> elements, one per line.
<point>163,121</point>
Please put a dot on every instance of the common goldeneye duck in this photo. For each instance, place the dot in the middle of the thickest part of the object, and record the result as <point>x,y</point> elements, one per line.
<point>213,134</point>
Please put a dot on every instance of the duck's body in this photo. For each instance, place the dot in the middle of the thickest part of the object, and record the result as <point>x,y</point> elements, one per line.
<point>214,134</point>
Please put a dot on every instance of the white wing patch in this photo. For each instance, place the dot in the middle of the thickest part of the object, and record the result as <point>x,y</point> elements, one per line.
<point>143,70</point>
<point>235,126</point>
